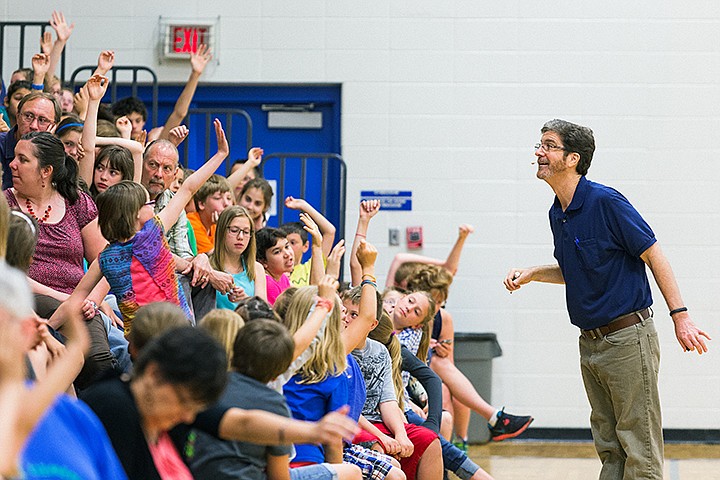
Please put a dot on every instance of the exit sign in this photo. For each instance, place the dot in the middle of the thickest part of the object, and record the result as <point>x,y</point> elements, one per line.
<point>183,37</point>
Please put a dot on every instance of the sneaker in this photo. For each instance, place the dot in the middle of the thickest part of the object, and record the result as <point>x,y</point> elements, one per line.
<point>509,426</point>
<point>461,444</point>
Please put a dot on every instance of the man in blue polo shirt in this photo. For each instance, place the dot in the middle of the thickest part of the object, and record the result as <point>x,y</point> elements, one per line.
<point>602,246</point>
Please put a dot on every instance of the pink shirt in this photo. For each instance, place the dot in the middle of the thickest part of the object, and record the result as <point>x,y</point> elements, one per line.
<point>59,254</point>
<point>276,287</point>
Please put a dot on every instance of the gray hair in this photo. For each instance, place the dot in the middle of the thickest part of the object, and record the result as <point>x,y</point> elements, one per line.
<point>17,299</point>
<point>575,138</point>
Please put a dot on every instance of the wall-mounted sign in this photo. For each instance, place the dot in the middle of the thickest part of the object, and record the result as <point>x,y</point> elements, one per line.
<point>180,37</point>
<point>389,199</point>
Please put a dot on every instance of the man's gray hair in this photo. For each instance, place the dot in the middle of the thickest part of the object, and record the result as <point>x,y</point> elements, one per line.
<point>16,299</point>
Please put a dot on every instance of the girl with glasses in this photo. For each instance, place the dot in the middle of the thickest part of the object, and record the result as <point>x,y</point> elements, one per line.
<point>234,253</point>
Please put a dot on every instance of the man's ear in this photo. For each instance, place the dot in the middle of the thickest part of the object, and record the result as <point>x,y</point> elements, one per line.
<point>306,246</point>
<point>572,159</point>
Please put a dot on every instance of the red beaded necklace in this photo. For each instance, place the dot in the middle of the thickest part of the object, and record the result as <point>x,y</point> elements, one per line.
<point>45,216</point>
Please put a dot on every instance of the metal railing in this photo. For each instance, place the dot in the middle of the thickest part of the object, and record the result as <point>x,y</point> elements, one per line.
<point>22,27</point>
<point>226,115</point>
<point>113,77</point>
<point>327,161</point>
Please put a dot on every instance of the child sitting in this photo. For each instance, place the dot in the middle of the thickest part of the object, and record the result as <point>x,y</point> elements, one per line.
<point>138,263</point>
<point>213,197</point>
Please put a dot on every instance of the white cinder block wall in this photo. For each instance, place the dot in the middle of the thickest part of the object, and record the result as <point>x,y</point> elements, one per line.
<point>447,98</point>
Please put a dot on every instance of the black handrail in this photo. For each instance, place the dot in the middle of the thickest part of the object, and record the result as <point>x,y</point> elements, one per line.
<point>21,44</point>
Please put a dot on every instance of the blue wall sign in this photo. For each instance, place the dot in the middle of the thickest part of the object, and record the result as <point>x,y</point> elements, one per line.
<point>390,199</point>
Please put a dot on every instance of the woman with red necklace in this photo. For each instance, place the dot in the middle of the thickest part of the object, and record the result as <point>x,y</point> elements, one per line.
<point>45,187</point>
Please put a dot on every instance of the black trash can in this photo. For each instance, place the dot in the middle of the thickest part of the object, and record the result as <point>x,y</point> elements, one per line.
<point>474,353</point>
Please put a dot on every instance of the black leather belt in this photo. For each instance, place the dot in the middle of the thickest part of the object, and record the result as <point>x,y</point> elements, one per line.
<point>618,324</point>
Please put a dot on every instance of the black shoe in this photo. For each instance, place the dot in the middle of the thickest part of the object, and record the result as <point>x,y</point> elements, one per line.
<point>509,426</point>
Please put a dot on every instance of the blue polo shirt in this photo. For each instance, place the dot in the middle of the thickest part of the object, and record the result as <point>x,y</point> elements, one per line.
<point>7,153</point>
<point>598,242</point>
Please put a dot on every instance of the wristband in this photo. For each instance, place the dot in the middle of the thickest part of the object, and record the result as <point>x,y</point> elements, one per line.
<point>678,310</point>
<point>325,303</point>
<point>368,282</point>
<point>369,277</point>
<point>360,235</point>
<point>37,86</point>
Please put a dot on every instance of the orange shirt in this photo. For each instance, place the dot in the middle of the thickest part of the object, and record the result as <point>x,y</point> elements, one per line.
<point>205,242</point>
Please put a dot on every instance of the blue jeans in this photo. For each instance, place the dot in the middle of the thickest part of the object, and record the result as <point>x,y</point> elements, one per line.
<point>454,459</point>
<point>320,471</point>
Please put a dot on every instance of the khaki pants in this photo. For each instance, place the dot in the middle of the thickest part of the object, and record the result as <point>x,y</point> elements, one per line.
<point>620,373</point>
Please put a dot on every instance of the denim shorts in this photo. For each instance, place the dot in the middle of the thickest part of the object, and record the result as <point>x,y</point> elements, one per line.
<point>321,471</point>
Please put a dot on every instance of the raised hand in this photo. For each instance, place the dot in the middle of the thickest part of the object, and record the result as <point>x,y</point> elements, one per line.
<point>327,288</point>
<point>296,203</point>
<point>62,29</point>
<point>178,134</point>
<point>96,87</point>
<point>40,63</point>
<point>255,156</point>
<point>106,60</point>
<point>80,102</point>
<point>124,126</point>
<point>369,208</point>
<point>465,229</point>
<point>366,254</point>
<point>46,43</point>
<point>335,259</point>
<point>200,59</point>
<point>223,147</point>
<point>312,228</point>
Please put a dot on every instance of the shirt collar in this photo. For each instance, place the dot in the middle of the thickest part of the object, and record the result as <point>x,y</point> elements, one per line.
<point>581,191</point>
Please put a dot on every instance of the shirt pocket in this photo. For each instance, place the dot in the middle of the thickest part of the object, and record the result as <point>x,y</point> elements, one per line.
<point>588,252</point>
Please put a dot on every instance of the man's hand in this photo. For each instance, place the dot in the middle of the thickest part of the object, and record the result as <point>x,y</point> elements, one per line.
<point>200,59</point>
<point>201,270</point>
<point>516,278</point>
<point>3,126</point>
<point>62,29</point>
<point>689,336</point>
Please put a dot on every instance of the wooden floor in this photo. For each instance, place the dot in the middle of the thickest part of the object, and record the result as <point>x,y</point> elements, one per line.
<point>521,460</point>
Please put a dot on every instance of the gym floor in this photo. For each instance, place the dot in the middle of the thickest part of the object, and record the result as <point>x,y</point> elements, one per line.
<point>525,460</point>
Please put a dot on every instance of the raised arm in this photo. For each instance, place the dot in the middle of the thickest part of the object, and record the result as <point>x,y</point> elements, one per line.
<point>317,266</point>
<point>308,331</point>
<point>169,215</point>
<point>198,61</point>
<point>96,87</point>
<point>688,335</point>
<point>106,60</point>
<point>358,329</point>
<point>326,227</point>
<point>40,65</point>
<point>135,147</point>
<point>63,32</point>
<point>254,158</point>
<point>368,209</point>
<point>335,259</point>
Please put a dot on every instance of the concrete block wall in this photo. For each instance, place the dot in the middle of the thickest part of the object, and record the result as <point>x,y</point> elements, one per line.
<point>447,98</point>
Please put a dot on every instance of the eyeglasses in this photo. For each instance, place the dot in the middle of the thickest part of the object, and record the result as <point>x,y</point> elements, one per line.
<point>29,117</point>
<point>235,231</point>
<point>150,203</point>
<point>547,147</point>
